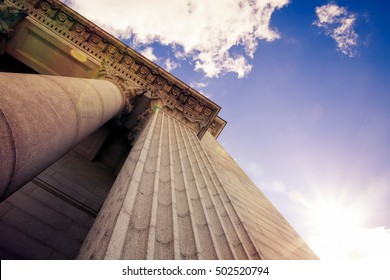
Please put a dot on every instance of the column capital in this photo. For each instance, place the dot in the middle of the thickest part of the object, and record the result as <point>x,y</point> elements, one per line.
<point>133,72</point>
<point>129,89</point>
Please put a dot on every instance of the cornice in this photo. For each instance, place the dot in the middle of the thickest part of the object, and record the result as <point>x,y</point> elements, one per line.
<point>182,101</point>
<point>217,126</point>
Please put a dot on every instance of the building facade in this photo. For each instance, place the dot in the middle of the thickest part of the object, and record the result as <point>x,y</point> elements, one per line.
<point>105,155</point>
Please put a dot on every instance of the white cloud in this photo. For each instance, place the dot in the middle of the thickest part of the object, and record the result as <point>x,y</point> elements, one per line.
<point>297,197</point>
<point>278,186</point>
<point>294,196</point>
<point>355,244</point>
<point>148,53</point>
<point>338,23</point>
<point>169,64</point>
<point>200,30</point>
<point>198,85</point>
<point>337,230</point>
<point>254,170</point>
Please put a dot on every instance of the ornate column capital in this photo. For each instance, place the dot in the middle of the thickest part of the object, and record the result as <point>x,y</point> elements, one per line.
<point>133,73</point>
<point>129,89</point>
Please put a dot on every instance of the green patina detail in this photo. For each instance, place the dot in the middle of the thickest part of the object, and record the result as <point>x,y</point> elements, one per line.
<point>103,69</point>
<point>9,17</point>
<point>155,108</point>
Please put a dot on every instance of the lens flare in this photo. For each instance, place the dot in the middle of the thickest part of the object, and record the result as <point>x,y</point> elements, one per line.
<point>332,216</point>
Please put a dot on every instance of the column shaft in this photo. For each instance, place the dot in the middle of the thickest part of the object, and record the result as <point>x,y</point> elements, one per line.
<point>43,117</point>
<point>165,203</point>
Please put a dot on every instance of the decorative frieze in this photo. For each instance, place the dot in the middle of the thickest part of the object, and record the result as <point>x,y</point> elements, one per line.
<point>183,102</point>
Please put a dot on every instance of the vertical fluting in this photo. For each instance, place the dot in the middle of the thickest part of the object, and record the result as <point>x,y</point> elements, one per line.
<point>136,242</point>
<point>212,203</point>
<point>107,235</point>
<point>174,197</point>
<point>153,215</point>
<point>246,240</point>
<point>216,231</point>
<point>167,203</point>
<point>161,237</point>
<point>188,225</point>
<point>237,235</point>
<point>201,215</point>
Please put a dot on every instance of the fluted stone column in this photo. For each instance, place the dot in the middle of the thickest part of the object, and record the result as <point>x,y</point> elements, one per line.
<point>178,197</point>
<point>167,203</point>
<point>43,117</point>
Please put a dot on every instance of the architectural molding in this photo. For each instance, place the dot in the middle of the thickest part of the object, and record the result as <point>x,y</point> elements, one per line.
<point>160,190</point>
<point>183,101</point>
<point>141,120</point>
<point>217,126</point>
<point>130,90</point>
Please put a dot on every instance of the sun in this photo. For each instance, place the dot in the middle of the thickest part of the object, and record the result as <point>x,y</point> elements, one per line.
<point>334,216</point>
<point>332,227</point>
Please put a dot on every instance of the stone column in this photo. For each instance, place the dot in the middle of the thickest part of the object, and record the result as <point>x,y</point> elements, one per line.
<point>43,117</point>
<point>178,197</point>
<point>167,203</point>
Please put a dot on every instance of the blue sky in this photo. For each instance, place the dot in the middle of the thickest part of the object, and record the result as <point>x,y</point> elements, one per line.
<point>304,87</point>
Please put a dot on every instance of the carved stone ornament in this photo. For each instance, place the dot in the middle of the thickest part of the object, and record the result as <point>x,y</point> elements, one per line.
<point>132,72</point>
<point>200,121</point>
<point>141,120</point>
<point>128,88</point>
<point>178,111</point>
<point>9,17</point>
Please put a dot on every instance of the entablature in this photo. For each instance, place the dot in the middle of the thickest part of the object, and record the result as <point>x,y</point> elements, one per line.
<point>181,101</point>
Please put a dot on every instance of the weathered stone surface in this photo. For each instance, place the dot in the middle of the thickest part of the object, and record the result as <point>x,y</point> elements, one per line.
<point>56,203</point>
<point>176,197</point>
<point>17,245</point>
<point>80,46</point>
<point>47,220</point>
<point>43,117</point>
<point>177,203</point>
<point>268,231</point>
